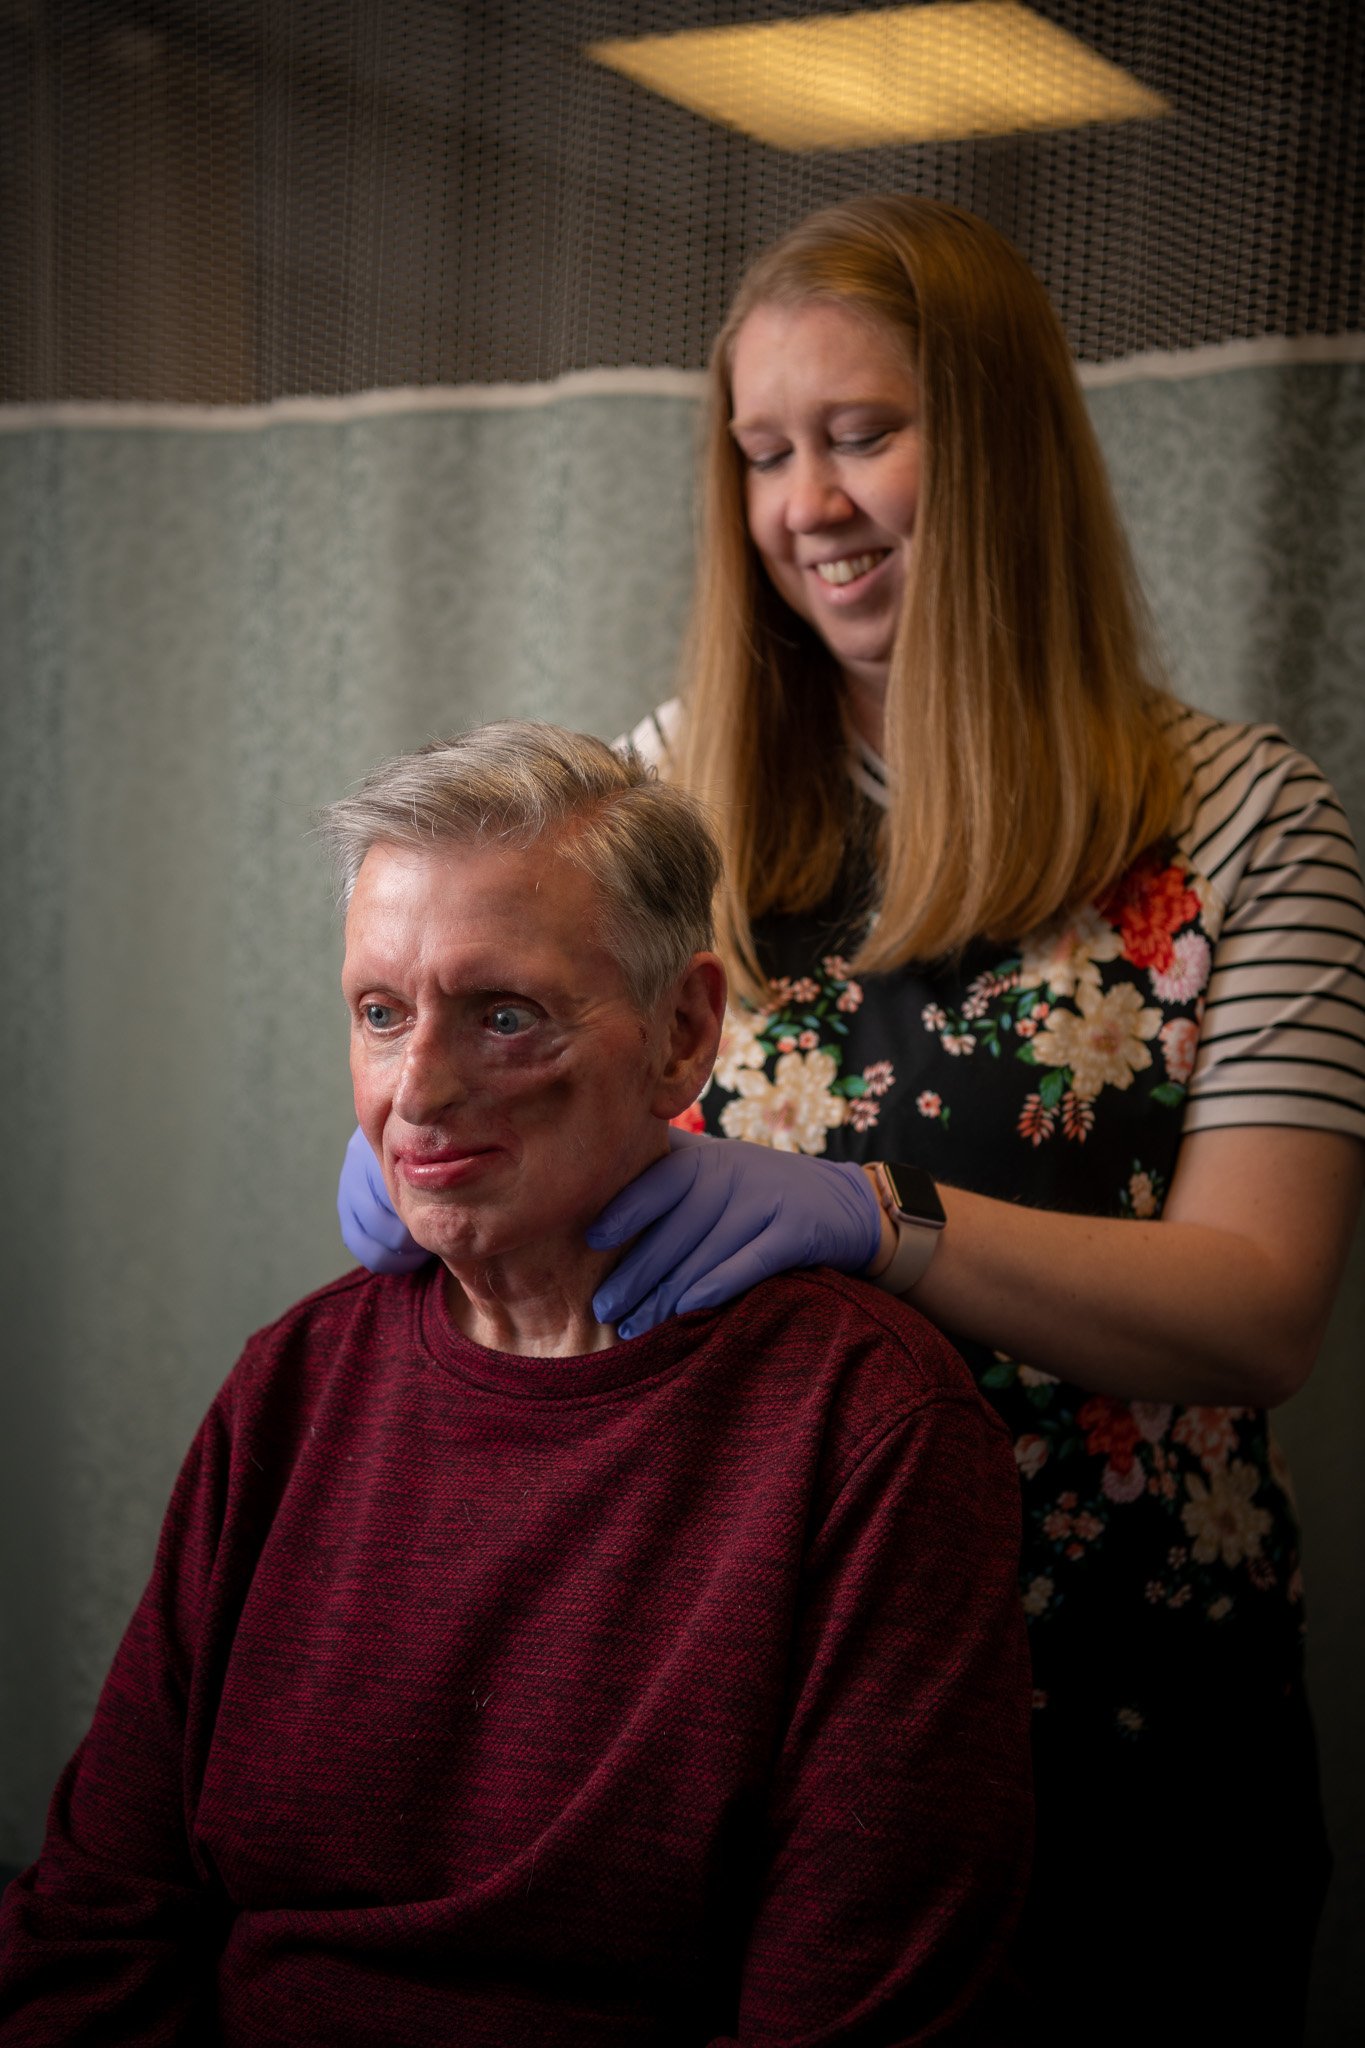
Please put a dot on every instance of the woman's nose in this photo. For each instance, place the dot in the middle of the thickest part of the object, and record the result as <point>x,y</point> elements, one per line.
<point>815,497</point>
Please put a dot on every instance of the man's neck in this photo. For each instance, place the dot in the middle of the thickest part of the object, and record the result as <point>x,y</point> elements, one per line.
<point>536,1302</point>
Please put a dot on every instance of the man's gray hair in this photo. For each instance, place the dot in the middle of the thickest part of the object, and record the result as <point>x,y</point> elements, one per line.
<point>646,844</point>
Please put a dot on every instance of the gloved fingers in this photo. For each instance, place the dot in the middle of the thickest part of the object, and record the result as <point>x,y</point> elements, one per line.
<point>371,1229</point>
<point>733,1276</point>
<point>645,1199</point>
<point>639,1310</point>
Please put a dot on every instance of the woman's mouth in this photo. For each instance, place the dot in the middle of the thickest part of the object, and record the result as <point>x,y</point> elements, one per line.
<point>850,568</point>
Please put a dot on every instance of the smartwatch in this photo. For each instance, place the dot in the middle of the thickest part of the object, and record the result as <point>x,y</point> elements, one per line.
<point>910,1199</point>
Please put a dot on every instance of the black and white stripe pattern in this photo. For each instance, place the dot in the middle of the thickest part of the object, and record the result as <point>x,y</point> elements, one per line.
<point>1283,1033</point>
<point>1283,1036</point>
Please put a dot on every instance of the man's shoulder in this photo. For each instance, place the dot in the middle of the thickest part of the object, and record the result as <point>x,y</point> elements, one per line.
<point>354,1321</point>
<point>885,1354</point>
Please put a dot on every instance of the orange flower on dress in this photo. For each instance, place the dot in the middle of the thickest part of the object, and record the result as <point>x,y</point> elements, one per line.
<point>1110,1430</point>
<point>1148,907</point>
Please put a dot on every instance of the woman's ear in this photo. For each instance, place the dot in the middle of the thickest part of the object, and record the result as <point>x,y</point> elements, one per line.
<point>694,1012</point>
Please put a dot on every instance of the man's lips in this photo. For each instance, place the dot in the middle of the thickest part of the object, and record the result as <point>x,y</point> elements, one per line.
<point>444,1166</point>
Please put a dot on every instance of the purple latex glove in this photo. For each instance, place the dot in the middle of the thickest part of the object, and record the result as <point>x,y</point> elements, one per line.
<point>726,1215</point>
<point>370,1227</point>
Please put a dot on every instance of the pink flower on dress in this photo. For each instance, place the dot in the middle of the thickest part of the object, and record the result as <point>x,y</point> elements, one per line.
<point>805,990</point>
<point>863,1112</point>
<point>1179,1043</point>
<point>808,1041</point>
<point>880,1076</point>
<point>1209,1433</point>
<point>1030,1455</point>
<point>851,998</point>
<point>1122,1486</point>
<point>1188,972</point>
<point>1153,1419</point>
<point>927,1103</point>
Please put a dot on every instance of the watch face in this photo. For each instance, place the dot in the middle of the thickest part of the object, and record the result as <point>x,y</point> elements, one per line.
<point>914,1193</point>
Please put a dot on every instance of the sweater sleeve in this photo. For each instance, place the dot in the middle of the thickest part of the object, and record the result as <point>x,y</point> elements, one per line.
<point>901,1817</point>
<point>111,1935</point>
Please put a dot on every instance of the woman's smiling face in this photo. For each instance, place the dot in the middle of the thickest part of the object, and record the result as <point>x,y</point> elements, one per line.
<point>825,413</point>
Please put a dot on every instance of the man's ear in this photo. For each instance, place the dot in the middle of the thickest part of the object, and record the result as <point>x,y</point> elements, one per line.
<point>694,1011</point>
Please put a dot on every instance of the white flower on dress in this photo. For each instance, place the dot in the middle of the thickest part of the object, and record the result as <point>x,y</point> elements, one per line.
<point>1212,908</point>
<point>1141,1193</point>
<point>739,1047</point>
<point>1039,1592</point>
<point>1068,956</point>
<point>958,1042</point>
<point>1188,972</point>
<point>1220,1517</point>
<point>794,1110</point>
<point>1103,1044</point>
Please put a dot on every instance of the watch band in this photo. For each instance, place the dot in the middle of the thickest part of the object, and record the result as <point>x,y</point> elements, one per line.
<point>910,1199</point>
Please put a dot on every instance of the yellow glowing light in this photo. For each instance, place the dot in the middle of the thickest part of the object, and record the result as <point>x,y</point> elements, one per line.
<point>907,74</point>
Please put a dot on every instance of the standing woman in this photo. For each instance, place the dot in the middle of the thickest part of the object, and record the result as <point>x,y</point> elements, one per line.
<point>999,907</point>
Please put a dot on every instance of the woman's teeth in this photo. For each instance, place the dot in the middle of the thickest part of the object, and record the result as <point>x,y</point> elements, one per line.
<point>850,568</point>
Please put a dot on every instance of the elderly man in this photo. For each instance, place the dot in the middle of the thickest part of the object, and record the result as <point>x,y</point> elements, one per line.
<point>496,1682</point>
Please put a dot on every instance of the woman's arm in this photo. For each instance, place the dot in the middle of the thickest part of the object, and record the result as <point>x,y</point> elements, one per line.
<point>1223,1300</point>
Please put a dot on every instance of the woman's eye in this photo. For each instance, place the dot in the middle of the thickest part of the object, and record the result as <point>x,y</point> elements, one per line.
<point>510,1018</point>
<point>759,464</point>
<point>860,444</point>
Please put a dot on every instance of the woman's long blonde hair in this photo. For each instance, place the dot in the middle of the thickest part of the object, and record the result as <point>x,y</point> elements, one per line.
<point>1024,730</point>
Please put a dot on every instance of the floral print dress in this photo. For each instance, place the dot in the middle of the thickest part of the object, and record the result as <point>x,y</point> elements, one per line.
<point>1160,1547</point>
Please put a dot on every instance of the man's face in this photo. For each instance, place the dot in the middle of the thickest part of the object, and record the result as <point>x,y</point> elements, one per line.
<point>502,1075</point>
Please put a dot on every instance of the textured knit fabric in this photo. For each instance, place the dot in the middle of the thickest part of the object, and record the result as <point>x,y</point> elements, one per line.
<point>672,1694</point>
<point>1221,982</point>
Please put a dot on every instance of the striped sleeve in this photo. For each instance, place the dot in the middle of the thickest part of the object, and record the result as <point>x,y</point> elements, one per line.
<point>1283,1034</point>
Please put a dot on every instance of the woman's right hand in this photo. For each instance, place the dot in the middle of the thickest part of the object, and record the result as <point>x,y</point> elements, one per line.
<point>370,1225</point>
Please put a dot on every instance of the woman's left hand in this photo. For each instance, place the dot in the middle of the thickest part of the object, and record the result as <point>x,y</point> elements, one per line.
<point>725,1215</point>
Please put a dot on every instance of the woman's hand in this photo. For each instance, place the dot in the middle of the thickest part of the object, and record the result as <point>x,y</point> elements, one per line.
<point>370,1227</point>
<point>725,1215</point>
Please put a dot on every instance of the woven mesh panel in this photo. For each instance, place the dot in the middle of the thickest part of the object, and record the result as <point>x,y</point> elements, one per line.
<point>229,200</point>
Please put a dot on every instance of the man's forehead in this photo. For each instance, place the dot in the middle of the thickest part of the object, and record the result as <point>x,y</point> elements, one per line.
<point>484,907</point>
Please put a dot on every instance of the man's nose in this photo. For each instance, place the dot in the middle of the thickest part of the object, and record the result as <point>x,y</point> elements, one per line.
<point>815,496</point>
<point>434,1077</point>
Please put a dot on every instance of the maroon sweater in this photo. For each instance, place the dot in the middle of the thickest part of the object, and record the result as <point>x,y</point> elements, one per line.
<point>675,1694</point>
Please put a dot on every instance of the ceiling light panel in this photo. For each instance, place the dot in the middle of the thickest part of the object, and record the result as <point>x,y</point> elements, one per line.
<point>952,69</point>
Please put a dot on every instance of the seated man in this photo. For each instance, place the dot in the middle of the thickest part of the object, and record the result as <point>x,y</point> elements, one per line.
<point>499,1683</point>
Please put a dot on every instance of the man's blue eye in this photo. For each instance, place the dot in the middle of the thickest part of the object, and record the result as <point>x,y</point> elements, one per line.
<point>507,1020</point>
<point>377,1015</point>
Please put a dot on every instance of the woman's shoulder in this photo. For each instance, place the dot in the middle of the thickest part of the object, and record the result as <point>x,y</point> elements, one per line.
<point>1242,781</point>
